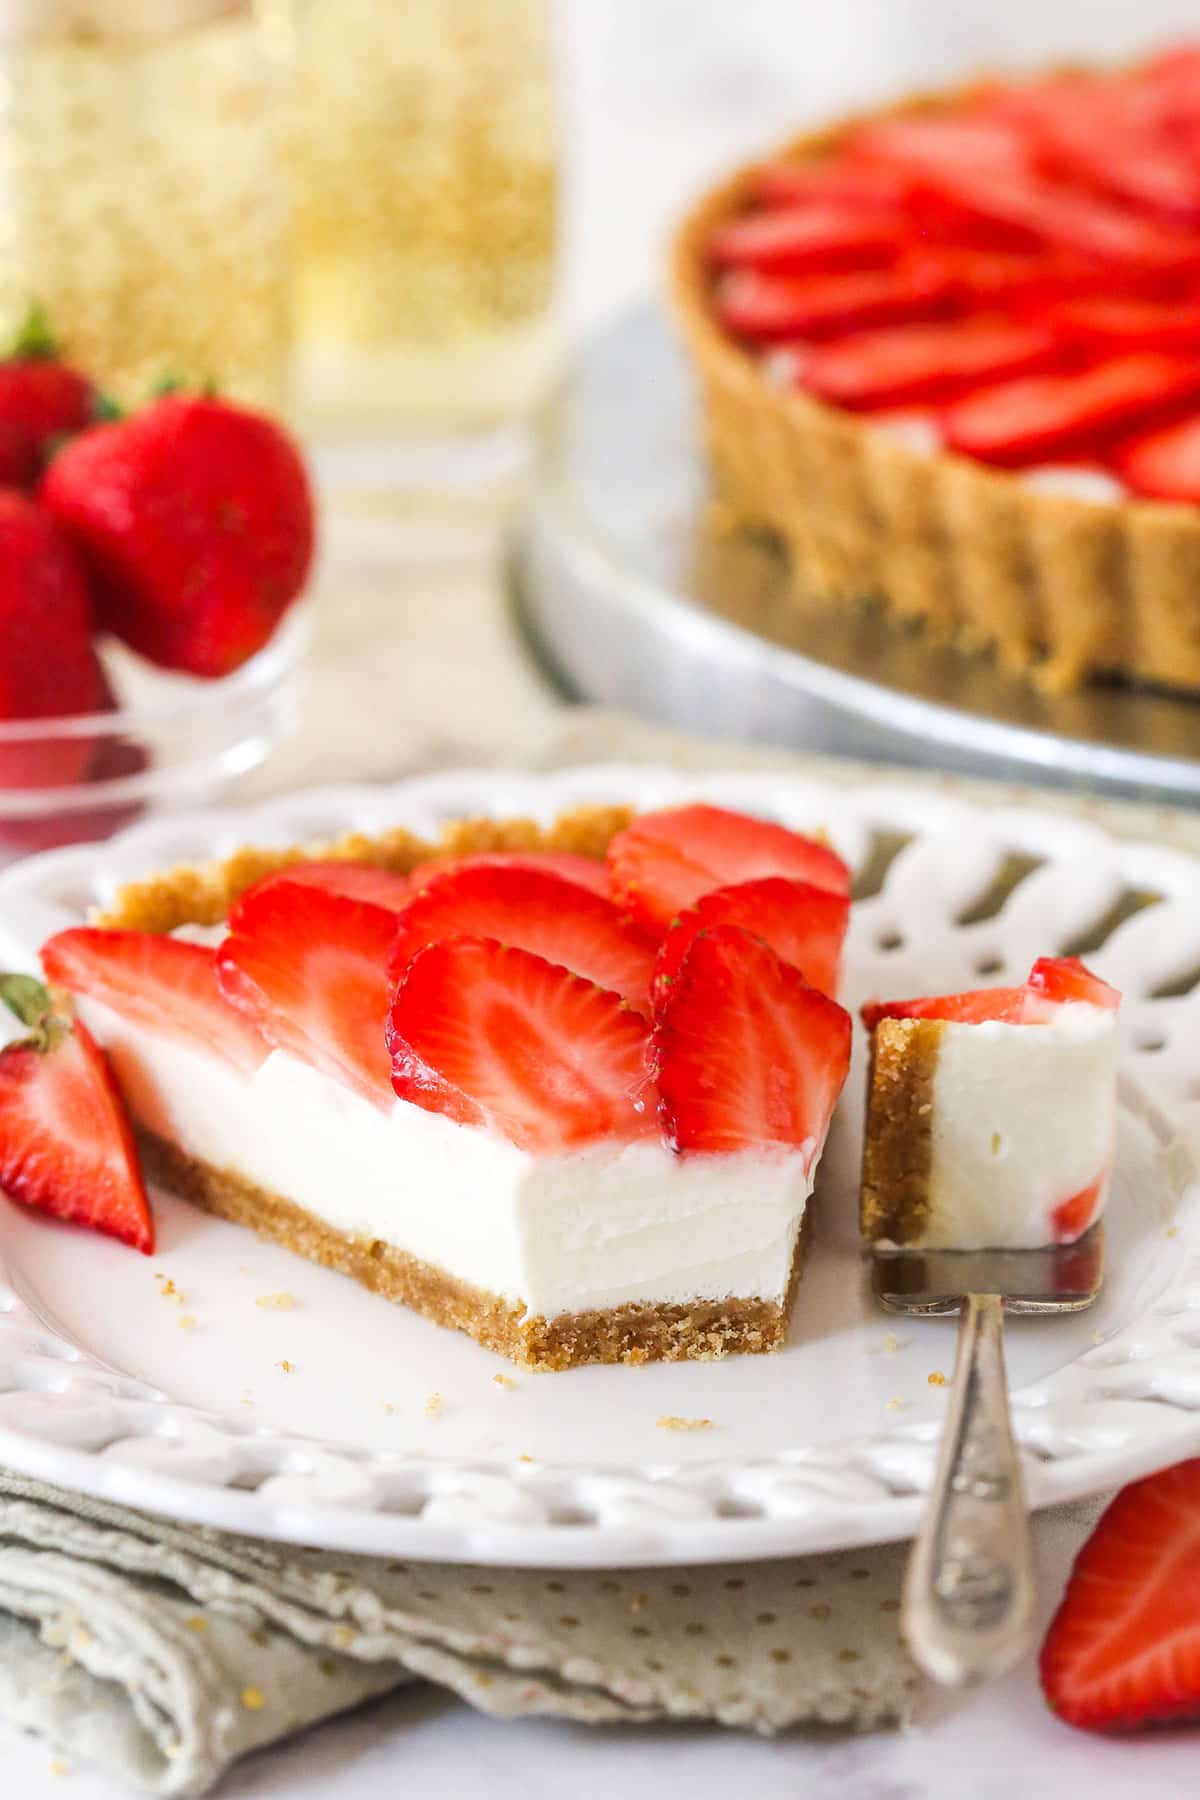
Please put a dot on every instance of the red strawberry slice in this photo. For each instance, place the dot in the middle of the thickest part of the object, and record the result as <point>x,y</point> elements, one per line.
<point>499,1037</point>
<point>163,983</point>
<point>1123,1649</point>
<point>1051,416</point>
<point>777,308</point>
<point>823,235</point>
<point>66,1146</point>
<point>1054,981</point>
<point>664,861</point>
<point>803,924</point>
<point>1072,1217</point>
<point>532,910</point>
<point>930,144</point>
<point>1068,219</point>
<point>1125,322</point>
<point>831,178</point>
<point>357,880</point>
<point>913,363</point>
<point>984,280</point>
<point>746,1054</point>
<point>309,967</point>
<point>585,871</point>
<point>1067,979</point>
<point>1163,464</point>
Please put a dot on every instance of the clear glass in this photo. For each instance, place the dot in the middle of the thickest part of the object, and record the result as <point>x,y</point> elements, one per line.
<point>140,201</point>
<point>422,157</point>
<point>173,740</point>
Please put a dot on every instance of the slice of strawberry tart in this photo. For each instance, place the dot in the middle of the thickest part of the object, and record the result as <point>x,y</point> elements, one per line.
<point>565,1091</point>
<point>991,1116</point>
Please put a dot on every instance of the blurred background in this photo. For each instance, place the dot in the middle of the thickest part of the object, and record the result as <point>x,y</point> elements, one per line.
<point>393,224</point>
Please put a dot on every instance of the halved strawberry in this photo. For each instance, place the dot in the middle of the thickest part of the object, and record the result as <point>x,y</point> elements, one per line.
<point>1051,416</point>
<point>1123,1649</point>
<point>803,924</point>
<point>830,178</point>
<point>822,235</point>
<point>1067,979</point>
<point>163,983</point>
<point>66,1146</point>
<point>499,1037</point>
<point>664,861</point>
<point>357,880</point>
<point>585,871</point>
<point>1071,1217</point>
<point>532,910</point>
<point>1163,464</point>
<point>1127,322</point>
<point>747,1055</point>
<point>1053,981</point>
<point>928,361</point>
<point>773,309</point>
<point>310,968</point>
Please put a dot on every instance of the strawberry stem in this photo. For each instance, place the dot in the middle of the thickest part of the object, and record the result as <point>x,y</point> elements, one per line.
<point>30,1000</point>
<point>35,342</point>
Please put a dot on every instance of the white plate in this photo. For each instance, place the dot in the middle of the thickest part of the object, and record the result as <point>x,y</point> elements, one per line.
<point>828,1443</point>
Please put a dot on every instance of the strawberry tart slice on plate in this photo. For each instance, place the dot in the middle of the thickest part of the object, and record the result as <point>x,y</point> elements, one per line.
<point>569,1097</point>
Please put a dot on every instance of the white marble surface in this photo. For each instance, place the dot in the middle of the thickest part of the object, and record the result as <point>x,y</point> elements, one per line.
<point>661,94</point>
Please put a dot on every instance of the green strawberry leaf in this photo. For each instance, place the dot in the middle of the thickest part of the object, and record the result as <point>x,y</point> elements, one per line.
<point>35,341</point>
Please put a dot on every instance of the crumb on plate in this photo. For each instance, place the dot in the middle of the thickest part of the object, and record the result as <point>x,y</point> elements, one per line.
<point>673,1422</point>
<point>281,1302</point>
<point>433,1405</point>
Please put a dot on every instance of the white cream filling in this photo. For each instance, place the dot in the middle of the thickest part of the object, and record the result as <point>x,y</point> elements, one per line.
<point>609,1225</point>
<point>1024,1117</point>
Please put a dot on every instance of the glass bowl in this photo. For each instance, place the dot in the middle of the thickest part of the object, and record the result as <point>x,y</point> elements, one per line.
<point>172,740</point>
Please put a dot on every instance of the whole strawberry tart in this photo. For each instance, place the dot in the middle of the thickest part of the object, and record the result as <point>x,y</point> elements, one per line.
<point>565,1090</point>
<point>950,355</point>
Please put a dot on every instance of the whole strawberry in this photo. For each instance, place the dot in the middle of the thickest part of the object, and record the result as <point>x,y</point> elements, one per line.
<point>48,668</point>
<point>195,519</point>
<point>42,401</point>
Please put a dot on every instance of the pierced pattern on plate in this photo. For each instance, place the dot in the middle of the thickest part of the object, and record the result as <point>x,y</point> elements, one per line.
<point>952,894</point>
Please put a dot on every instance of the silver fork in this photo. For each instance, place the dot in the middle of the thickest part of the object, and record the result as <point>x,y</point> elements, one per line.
<point>968,1603</point>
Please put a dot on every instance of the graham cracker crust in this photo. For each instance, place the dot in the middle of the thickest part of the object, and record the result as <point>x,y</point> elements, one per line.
<point>700,1331</point>
<point>897,1139</point>
<point>1059,588</point>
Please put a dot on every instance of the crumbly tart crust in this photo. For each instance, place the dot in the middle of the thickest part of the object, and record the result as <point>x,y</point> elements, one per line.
<point>897,1140</point>
<point>1058,586</point>
<point>700,1331</point>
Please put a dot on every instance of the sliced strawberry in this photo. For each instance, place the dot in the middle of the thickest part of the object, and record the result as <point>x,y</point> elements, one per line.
<point>776,308</point>
<point>665,861</point>
<point>499,1037</point>
<point>66,1145</point>
<point>803,924</point>
<point>357,880</point>
<point>1051,416</point>
<point>585,871</point>
<point>532,910</point>
<point>1068,219</point>
<point>831,178</point>
<point>1123,1650</point>
<point>1053,981</point>
<point>823,235</point>
<point>986,280</point>
<point>1067,979</point>
<point>310,968</point>
<point>163,983</point>
<point>747,1055</point>
<point>914,363</point>
<point>1072,1217</point>
<point>1163,464</point>
<point>1124,322</point>
<point>928,144</point>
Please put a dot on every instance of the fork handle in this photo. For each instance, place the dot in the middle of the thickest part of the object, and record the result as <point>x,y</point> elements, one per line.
<point>968,1605</point>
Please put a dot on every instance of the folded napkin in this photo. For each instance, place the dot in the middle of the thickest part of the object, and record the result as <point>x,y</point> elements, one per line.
<point>162,1652</point>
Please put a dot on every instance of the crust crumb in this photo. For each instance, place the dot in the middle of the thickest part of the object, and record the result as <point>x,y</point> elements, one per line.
<point>935,1378</point>
<point>673,1422</point>
<point>506,1381</point>
<point>433,1406</point>
<point>281,1302</point>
